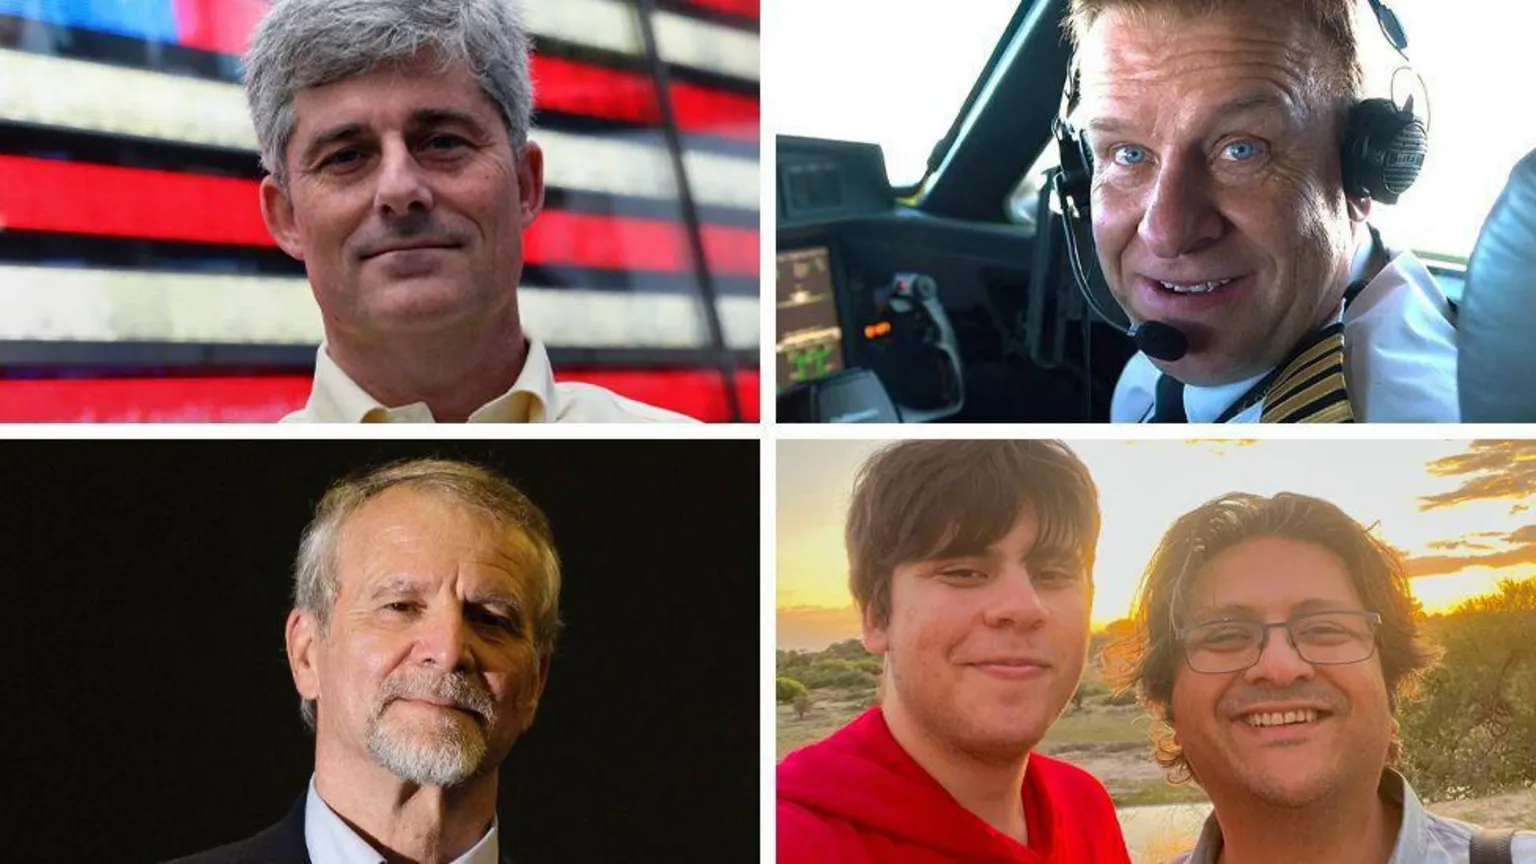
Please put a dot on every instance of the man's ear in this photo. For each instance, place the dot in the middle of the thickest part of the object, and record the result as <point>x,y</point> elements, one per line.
<point>303,640</point>
<point>1359,209</point>
<point>874,636</point>
<point>530,182</point>
<point>277,212</point>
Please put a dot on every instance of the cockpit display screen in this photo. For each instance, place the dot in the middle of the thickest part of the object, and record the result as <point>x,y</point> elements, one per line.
<point>810,343</point>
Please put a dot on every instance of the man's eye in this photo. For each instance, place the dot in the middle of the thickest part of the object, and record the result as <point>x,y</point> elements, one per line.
<point>1240,151</point>
<point>445,142</point>
<point>500,622</point>
<point>963,574</point>
<point>1056,575</point>
<point>342,158</point>
<point>400,607</point>
<point>1130,154</point>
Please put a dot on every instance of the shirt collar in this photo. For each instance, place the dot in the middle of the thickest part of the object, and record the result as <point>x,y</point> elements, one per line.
<point>1409,848</point>
<point>331,841</point>
<point>336,398</point>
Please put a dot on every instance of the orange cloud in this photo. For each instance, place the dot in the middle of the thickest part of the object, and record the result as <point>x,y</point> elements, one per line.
<point>1491,470</point>
<point>812,628</point>
<point>1519,547</point>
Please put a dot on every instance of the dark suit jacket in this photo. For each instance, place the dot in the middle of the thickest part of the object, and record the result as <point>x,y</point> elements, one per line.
<point>283,843</point>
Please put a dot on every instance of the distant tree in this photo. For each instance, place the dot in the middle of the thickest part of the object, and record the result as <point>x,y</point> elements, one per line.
<point>788,690</point>
<point>1473,729</point>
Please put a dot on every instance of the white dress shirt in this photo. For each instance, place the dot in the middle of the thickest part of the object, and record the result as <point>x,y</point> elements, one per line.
<point>1399,357</point>
<point>534,398</point>
<point>331,841</point>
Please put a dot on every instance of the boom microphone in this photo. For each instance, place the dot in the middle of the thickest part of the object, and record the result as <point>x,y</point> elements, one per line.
<point>1160,341</point>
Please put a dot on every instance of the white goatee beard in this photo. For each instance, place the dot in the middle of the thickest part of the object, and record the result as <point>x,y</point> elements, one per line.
<point>449,754</point>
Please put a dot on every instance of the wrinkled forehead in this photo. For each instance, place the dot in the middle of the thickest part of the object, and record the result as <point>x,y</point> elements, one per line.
<point>426,535</point>
<point>1132,62</point>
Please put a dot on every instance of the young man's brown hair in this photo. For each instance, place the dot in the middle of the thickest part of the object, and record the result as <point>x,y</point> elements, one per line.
<point>921,500</point>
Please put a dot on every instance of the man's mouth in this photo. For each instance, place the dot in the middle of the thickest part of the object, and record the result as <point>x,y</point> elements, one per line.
<point>1195,287</point>
<point>1283,718</point>
<point>376,253</point>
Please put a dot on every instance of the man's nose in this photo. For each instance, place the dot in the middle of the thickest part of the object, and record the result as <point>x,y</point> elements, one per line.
<point>445,641</point>
<point>1280,664</point>
<point>1181,216</point>
<point>402,185</point>
<point>1014,601</point>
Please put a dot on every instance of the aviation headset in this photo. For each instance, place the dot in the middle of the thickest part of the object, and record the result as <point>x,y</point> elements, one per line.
<point>1382,152</point>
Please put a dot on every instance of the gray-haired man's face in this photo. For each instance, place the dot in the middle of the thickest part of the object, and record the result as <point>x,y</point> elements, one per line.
<point>430,668</point>
<point>405,201</point>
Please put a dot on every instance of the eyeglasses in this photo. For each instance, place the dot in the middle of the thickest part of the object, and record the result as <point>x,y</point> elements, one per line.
<point>1321,639</point>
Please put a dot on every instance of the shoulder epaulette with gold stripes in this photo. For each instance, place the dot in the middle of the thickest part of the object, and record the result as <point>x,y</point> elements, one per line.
<point>1310,388</point>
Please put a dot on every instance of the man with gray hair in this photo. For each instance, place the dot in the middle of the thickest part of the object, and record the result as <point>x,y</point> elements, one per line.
<point>426,607</point>
<point>395,134</point>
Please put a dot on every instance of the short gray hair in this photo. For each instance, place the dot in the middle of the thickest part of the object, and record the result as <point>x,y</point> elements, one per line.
<point>315,576</point>
<point>311,43</point>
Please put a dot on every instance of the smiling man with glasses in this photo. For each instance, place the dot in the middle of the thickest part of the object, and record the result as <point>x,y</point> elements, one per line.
<point>1274,639</point>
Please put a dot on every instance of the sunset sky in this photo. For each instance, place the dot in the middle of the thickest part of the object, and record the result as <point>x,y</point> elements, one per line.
<point>1460,511</point>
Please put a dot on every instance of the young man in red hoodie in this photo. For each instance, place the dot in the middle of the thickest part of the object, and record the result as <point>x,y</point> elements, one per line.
<point>971,563</point>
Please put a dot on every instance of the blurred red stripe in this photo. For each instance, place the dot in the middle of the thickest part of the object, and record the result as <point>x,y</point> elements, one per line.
<point>101,200</point>
<point>579,88</point>
<point>744,8</point>
<point>220,26</point>
<point>699,393</point>
<point>715,112</point>
<point>630,97</point>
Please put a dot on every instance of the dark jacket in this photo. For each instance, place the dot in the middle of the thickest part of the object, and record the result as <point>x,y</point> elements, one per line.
<point>283,843</point>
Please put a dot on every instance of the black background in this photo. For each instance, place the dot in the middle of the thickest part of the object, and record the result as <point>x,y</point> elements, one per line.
<point>157,715</point>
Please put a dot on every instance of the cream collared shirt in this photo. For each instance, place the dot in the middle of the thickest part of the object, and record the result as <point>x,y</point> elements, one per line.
<point>331,841</point>
<point>534,398</point>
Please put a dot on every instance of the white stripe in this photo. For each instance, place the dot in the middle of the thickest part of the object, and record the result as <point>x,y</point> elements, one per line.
<point>71,94</point>
<point>54,92</point>
<point>691,42</point>
<point>600,23</point>
<point>55,304</point>
<point>63,304</point>
<point>616,166</point>
<point>615,26</point>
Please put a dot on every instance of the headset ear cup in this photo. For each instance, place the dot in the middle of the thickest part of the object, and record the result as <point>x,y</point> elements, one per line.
<point>1383,150</point>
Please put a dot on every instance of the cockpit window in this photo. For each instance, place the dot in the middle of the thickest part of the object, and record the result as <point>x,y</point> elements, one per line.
<point>893,74</point>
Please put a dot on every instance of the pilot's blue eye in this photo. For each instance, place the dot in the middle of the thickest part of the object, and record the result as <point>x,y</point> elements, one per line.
<point>1130,154</point>
<point>1241,150</point>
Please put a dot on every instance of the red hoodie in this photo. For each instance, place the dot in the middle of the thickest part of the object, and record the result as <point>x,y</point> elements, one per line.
<point>858,797</point>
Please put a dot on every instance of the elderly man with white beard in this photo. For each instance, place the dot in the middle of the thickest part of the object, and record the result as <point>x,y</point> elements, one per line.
<point>426,606</point>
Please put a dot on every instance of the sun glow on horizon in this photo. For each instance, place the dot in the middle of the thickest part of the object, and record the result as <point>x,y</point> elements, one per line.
<point>1458,511</point>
